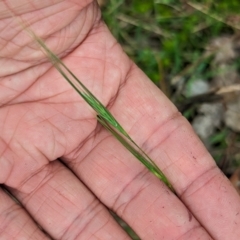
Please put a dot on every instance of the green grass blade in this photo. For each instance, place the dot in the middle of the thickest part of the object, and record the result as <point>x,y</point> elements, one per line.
<point>202,8</point>
<point>103,115</point>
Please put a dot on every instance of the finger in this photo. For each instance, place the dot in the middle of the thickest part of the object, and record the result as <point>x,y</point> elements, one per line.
<point>143,201</point>
<point>172,143</point>
<point>15,223</point>
<point>153,121</point>
<point>99,159</point>
<point>119,177</point>
<point>64,207</point>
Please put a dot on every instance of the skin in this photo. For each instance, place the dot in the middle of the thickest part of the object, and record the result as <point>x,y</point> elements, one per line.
<point>66,170</point>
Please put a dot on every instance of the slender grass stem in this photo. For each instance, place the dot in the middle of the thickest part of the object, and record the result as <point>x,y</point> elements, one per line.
<point>104,117</point>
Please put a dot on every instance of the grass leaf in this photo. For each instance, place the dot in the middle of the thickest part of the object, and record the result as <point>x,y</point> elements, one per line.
<point>104,117</point>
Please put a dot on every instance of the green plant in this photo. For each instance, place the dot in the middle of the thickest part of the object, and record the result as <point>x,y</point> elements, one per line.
<point>104,117</point>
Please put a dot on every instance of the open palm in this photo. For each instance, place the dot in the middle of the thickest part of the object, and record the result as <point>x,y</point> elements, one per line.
<point>65,169</point>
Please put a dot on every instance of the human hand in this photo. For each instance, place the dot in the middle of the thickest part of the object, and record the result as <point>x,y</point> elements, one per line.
<point>66,170</point>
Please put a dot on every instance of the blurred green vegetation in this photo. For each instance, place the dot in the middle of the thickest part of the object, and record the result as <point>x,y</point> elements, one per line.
<point>163,36</point>
<point>169,41</point>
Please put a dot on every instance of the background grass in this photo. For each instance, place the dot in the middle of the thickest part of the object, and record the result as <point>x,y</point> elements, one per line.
<point>177,45</point>
<point>168,41</point>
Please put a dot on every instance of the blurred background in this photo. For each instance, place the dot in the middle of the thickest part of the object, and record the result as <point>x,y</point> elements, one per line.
<point>191,51</point>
